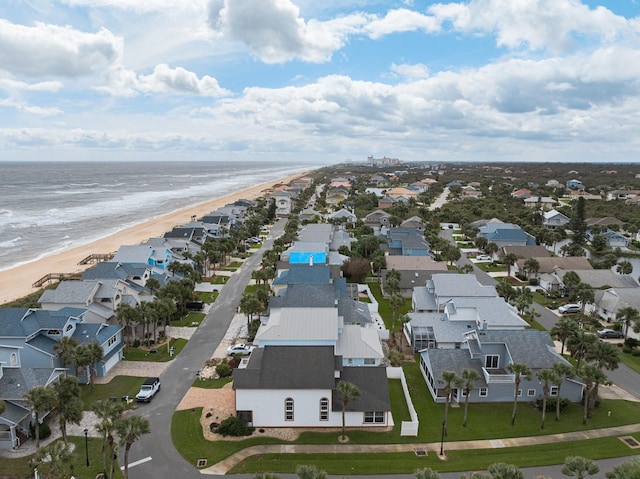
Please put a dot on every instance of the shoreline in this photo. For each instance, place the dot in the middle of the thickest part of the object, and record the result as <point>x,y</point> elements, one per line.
<point>17,282</point>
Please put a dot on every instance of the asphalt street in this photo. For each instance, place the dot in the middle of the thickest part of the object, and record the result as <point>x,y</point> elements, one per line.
<point>165,461</point>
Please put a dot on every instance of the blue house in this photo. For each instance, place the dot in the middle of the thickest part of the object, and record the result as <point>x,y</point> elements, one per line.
<point>407,242</point>
<point>575,184</point>
<point>506,234</point>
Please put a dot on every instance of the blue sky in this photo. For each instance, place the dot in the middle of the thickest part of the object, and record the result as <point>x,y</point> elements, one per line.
<point>320,82</point>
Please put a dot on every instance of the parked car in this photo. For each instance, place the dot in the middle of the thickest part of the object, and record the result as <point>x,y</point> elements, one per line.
<point>254,240</point>
<point>149,388</point>
<point>242,349</point>
<point>569,309</point>
<point>608,333</point>
<point>483,257</point>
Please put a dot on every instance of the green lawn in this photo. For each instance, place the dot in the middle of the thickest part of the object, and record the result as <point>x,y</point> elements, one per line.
<point>162,355</point>
<point>383,306</point>
<point>20,467</point>
<point>220,280</point>
<point>632,361</point>
<point>211,383</point>
<point>206,296</point>
<point>119,386</point>
<point>189,320</point>
<point>485,421</point>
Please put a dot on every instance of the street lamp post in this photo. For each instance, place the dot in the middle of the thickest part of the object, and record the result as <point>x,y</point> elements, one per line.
<point>444,423</point>
<point>86,445</point>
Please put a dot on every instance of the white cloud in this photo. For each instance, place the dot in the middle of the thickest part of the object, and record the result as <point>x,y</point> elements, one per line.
<point>10,84</point>
<point>401,20</point>
<point>52,50</point>
<point>164,79</point>
<point>533,24</point>
<point>139,6</point>
<point>274,31</point>
<point>30,109</point>
<point>412,72</point>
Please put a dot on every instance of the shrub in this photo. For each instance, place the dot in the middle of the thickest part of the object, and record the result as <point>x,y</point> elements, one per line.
<point>45,430</point>
<point>136,343</point>
<point>635,353</point>
<point>631,342</point>
<point>533,281</point>
<point>235,426</point>
<point>627,350</point>
<point>224,369</point>
<point>551,404</point>
<point>395,358</point>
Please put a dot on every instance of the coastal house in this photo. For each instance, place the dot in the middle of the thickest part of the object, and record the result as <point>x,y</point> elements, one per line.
<point>506,234</point>
<point>613,239</point>
<point>134,275</point>
<point>387,202</point>
<point>309,214</point>
<point>337,195</point>
<point>406,242</point>
<point>158,258</point>
<point>574,184</point>
<point>554,219</point>
<point>296,386</point>
<point>284,203</point>
<point>15,382</point>
<point>543,202</point>
<point>414,271</point>
<point>343,215</point>
<point>622,194</point>
<point>376,219</point>
<point>489,353</point>
<point>36,332</point>
<point>100,298</point>
<point>611,300</point>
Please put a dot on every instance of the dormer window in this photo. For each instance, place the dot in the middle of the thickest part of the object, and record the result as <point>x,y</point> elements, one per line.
<point>54,332</point>
<point>68,328</point>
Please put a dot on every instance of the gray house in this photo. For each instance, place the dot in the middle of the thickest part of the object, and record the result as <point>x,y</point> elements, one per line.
<point>490,353</point>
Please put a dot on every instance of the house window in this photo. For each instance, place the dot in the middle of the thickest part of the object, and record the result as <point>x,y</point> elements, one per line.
<point>553,391</point>
<point>13,359</point>
<point>518,392</point>
<point>531,392</point>
<point>324,409</point>
<point>374,417</point>
<point>288,409</point>
<point>111,341</point>
<point>54,332</point>
<point>68,328</point>
<point>369,361</point>
<point>483,392</point>
<point>491,361</point>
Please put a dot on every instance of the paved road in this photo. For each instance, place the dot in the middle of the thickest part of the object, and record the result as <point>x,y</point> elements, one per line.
<point>180,374</point>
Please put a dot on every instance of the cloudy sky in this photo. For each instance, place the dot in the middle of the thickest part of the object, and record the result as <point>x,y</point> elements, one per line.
<point>320,81</point>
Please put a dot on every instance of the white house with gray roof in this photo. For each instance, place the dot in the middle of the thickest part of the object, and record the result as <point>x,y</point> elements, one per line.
<point>612,300</point>
<point>295,386</point>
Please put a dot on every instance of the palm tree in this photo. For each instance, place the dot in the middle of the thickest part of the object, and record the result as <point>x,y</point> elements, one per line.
<point>570,280</point>
<point>604,355</point>
<point>563,371</point>
<point>250,305</point>
<point>66,349</point>
<point>510,259</point>
<point>625,470</point>
<point>82,360</point>
<point>500,470</point>
<point>469,376</point>
<point>624,267</point>
<point>396,302</point>
<point>491,248</point>
<point>579,345</point>
<point>584,294</point>
<point>519,371</point>
<point>58,457</point>
<point>95,354</point>
<point>40,399</point>
<point>129,430</point>
<point>592,376</point>
<point>564,329</point>
<point>627,317</point>
<point>107,413</point>
<point>547,376</point>
<point>449,379</point>
<point>348,392</point>
<point>127,316</point>
<point>523,298</point>
<point>165,308</point>
<point>67,403</point>
<point>531,265</point>
<point>579,467</point>
<point>153,285</point>
<point>310,472</point>
<point>426,473</point>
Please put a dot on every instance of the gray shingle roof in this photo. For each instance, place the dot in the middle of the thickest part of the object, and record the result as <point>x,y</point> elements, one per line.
<point>288,367</point>
<point>23,322</point>
<point>373,385</point>
<point>16,382</point>
<point>531,347</point>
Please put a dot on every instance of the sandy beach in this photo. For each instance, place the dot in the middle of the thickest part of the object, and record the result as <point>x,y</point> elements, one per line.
<point>17,282</point>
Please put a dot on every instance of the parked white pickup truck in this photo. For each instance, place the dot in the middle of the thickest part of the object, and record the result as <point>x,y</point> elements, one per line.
<point>148,389</point>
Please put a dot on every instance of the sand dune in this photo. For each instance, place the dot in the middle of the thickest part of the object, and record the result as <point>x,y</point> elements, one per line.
<point>17,282</point>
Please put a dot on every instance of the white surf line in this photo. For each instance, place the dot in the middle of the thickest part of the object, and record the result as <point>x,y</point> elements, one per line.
<point>137,463</point>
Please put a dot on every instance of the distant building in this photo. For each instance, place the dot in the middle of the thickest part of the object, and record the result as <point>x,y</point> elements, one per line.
<point>383,162</point>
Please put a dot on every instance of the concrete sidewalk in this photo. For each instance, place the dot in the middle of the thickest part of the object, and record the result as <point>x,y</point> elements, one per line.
<point>224,466</point>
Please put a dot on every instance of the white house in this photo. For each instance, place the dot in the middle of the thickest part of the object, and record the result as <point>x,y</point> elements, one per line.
<point>295,386</point>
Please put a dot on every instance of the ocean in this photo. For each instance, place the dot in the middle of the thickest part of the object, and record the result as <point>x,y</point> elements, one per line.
<point>49,207</point>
